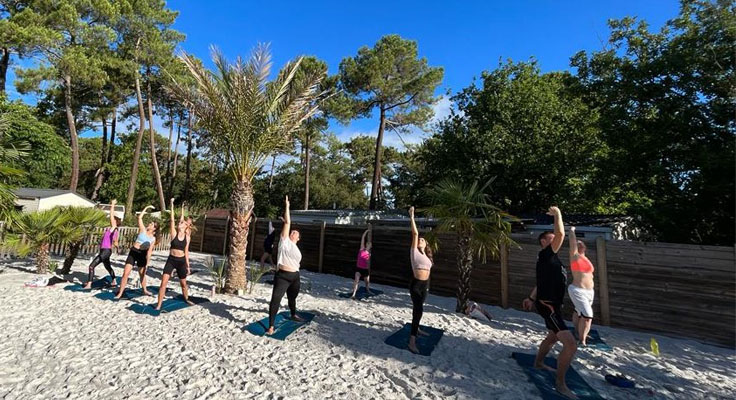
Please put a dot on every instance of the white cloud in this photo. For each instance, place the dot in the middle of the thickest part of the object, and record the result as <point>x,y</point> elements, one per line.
<point>442,109</point>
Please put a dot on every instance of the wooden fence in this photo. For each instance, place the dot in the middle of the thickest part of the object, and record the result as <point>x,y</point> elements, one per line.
<point>91,243</point>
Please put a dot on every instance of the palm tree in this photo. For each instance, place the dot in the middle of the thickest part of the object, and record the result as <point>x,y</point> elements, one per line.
<point>40,228</point>
<point>77,223</point>
<point>11,152</point>
<point>247,118</point>
<point>481,229</point>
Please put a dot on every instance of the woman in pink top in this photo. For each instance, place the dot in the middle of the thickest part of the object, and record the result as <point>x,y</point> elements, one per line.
<point>421,264</point>
<point>363,266</point>
<point>109,239</point>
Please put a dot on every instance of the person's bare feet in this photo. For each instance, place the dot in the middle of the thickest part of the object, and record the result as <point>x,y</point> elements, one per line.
<point>269,332</point>
<point>422,333</point>
<point>413,348</point>
<point>565,391</point>
<point>352,297</point>
<point>297,318</point>
<point>88,286</point>
<point>118,296</point>
<point>189,302</point>
<point>147,293</point>
<point>157,308</point>
<point>544,367</point>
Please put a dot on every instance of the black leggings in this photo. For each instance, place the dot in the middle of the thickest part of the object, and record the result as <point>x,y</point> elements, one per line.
<point>418,291</point>
<point>102,257</point>
<point>283,282</point>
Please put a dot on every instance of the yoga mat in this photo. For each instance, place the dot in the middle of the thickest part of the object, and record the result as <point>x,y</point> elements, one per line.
<point>282,324</point>
<point>425,344</point>
<point>594,340</point>
<point>167,306</point>
<point>96,285</point>
<point>545,380</point>
<point>128,294</point>
<point>361,293</point>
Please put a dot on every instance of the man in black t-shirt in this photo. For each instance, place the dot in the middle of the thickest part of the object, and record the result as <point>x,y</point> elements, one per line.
<point>547,297</point>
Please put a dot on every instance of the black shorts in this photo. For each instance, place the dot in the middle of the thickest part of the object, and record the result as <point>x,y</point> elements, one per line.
<point>176,263</point>
<point>552,318</point>
<point>137,257</point>
<point>364,272</point>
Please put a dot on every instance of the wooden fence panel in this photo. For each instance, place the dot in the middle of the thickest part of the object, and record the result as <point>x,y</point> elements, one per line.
<point>215,236</point>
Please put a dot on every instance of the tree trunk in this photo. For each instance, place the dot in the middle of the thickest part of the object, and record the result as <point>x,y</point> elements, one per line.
<point>306,173</point>
<point>273,166</point>
<point>42,259</point>
<point>154,161</point>
<point>465,270</point>
<point>241,201</point>
<point>111,145</point>
<point>4,63</point>
<point>168,151</point>
<point>189,157</point>
<point>72,132</point>
<point>72,252</point>
<point>375,186</point>
<point>176,159</point>
<point>137,154</point>
<point>101,171</point>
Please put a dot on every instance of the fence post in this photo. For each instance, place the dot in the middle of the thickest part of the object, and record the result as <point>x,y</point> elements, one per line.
<point>227,232</point>
<point>253,238</point>
<point>505,276</point>
<point>321,245</point>
<point>204,230</point>
<point>600,246</point>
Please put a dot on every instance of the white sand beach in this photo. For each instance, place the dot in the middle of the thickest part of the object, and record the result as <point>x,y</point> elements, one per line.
<point>58,344</point>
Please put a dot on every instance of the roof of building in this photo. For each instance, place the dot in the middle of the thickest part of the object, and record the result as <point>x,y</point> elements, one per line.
<point>35,193</point>
<point>575,219</point>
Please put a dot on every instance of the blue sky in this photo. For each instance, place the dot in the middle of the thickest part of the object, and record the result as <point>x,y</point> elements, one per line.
<point>465,37</point>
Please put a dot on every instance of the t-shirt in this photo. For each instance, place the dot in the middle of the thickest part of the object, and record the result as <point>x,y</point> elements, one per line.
<point>551,277</point>
<point>108,238</point>
<point>363,257</point>
<point>289,254</point>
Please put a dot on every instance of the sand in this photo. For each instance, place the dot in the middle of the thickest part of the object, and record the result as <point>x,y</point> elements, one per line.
<point>59,344</point>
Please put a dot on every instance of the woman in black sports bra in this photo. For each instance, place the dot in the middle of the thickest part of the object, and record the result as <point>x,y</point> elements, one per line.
<point>178,256</point>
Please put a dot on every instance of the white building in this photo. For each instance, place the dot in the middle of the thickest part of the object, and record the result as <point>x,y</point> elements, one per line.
<point>31,199</point>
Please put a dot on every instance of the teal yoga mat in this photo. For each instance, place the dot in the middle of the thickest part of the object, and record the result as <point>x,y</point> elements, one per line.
<point>129,294</point>
<point>168,305</point>
<point>425,344</point>
<point>361,293</point>
<point>96,285</point>
<point>282,324</point>
<point>545,380</point>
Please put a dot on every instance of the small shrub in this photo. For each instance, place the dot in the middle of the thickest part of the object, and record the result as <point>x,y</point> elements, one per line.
<point>255,273</point>
<point>217,270</point>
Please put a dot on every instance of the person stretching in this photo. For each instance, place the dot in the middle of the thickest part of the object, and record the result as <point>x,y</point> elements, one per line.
<point>178,256</point>
<point>581,290</point>
<point>547,296</point>
<point>109,240</point>
<point>287,278</point>
<point>363,266</point>
<point>421,263</point>
<point>140,253</point>
<point>268,245</point>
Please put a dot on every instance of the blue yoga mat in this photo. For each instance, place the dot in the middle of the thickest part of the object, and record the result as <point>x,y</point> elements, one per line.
<point>282,324</point>
<point>425,344</point>
<point>128,294</point>
<point>361,293</point>
<point>545,380</point>
<point>96,285</point>
<point>594,340</point>
<point>167,306</point>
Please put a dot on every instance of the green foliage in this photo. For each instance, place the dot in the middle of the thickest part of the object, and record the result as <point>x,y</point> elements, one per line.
<point>12,151</point>
<point>48,155</point>
<point>78,223</point>
<point>218,272</point>
<point>665,101</point>
<point>39,229</point>
<point>255,273</point>
<point>529,130</point>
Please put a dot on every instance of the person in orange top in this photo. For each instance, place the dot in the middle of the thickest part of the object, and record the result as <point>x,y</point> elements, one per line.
<point>581,290</point>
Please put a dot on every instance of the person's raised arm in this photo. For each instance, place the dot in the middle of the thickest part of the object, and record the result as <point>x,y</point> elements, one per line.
<point>573,244</point>
<point>113,223</point>
<point>414,230</point>
<point>559,229</point>
<point>287,219</point>
<point>141,226</point>
<point>362,240</point>
<point>172,219</point>
<point>270,227</point>
<point>181,217</point>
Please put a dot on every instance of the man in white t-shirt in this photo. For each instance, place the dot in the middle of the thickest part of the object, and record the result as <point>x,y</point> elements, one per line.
<point>286,280</point>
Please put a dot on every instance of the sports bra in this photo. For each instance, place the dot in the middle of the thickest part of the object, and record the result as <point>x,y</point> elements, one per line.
<point>419,260</point>
<point>582,264</point>
<point>177,244</point>
<point>144,240</point>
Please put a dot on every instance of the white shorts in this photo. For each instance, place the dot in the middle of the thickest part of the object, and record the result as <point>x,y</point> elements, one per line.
<point>582,299</point>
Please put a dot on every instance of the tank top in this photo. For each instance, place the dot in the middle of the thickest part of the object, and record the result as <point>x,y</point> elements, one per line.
<point>582,264</point>
<point>289,254</point>
<point>108,238</point>
<point>144,240</point>
<point>177,244</point>
<point>363,257</point>
<point>419,260</point>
